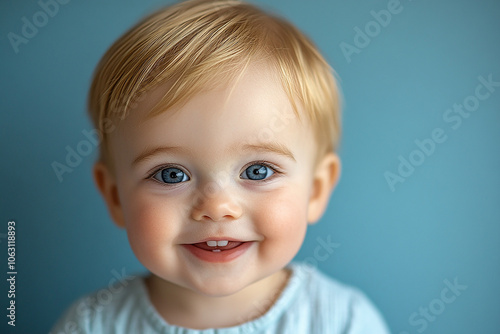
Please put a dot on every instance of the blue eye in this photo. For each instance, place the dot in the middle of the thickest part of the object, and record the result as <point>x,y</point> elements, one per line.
<point>257,172</point>
<point>171,175</point>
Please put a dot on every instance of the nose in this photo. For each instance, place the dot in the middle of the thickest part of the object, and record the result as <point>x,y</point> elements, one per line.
<point>216,204</point>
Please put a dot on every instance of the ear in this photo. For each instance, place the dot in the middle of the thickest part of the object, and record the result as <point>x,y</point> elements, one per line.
<point>324,181</point>
<point>106,183</point>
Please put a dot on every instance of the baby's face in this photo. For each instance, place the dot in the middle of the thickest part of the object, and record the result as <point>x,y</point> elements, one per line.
<point>233,164</point>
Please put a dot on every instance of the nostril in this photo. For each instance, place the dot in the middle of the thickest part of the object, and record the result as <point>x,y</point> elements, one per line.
<point>216,208</point>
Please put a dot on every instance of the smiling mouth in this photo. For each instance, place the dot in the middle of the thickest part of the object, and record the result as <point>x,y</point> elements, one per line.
<point>218,251</point>
<point>218,246</point>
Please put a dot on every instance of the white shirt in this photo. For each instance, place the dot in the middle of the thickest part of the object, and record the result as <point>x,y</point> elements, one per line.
<point>310,303</point>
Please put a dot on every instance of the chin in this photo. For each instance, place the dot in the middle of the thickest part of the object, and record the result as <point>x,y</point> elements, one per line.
<point>218,288</point>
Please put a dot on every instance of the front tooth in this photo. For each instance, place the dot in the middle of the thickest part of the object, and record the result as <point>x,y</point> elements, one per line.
<point>213,243</point>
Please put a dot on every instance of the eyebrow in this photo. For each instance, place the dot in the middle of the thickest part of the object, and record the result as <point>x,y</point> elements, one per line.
<point>272,147</point>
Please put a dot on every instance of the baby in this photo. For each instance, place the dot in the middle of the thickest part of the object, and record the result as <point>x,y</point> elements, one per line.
<point>219,126</point>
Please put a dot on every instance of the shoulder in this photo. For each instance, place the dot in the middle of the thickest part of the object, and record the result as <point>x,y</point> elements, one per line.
<point>104,309</point>
<point>340,307</point>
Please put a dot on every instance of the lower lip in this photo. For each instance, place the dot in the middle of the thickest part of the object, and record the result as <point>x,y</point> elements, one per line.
<point>218,257</point>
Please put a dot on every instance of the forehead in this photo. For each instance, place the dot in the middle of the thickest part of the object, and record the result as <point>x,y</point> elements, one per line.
<point>252,109</point>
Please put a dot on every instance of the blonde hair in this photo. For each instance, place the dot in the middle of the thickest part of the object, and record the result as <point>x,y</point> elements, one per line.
<point>192,43</point>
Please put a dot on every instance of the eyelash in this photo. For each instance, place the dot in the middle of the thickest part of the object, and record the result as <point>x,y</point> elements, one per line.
<point>273,167</point>
<point>276,171</point>
<point>156,170</point>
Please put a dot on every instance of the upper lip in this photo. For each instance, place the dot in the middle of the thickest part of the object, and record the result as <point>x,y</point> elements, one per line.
<point>217,239</point>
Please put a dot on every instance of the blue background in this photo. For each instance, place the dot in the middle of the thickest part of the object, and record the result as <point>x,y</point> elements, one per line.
<point>398,246</point>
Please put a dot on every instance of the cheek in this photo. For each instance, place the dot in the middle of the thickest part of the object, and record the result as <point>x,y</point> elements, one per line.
<point>282,220</point>
<point>151,224</point>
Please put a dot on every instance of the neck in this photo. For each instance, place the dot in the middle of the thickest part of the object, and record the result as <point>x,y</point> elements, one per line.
<point>183,307</point>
